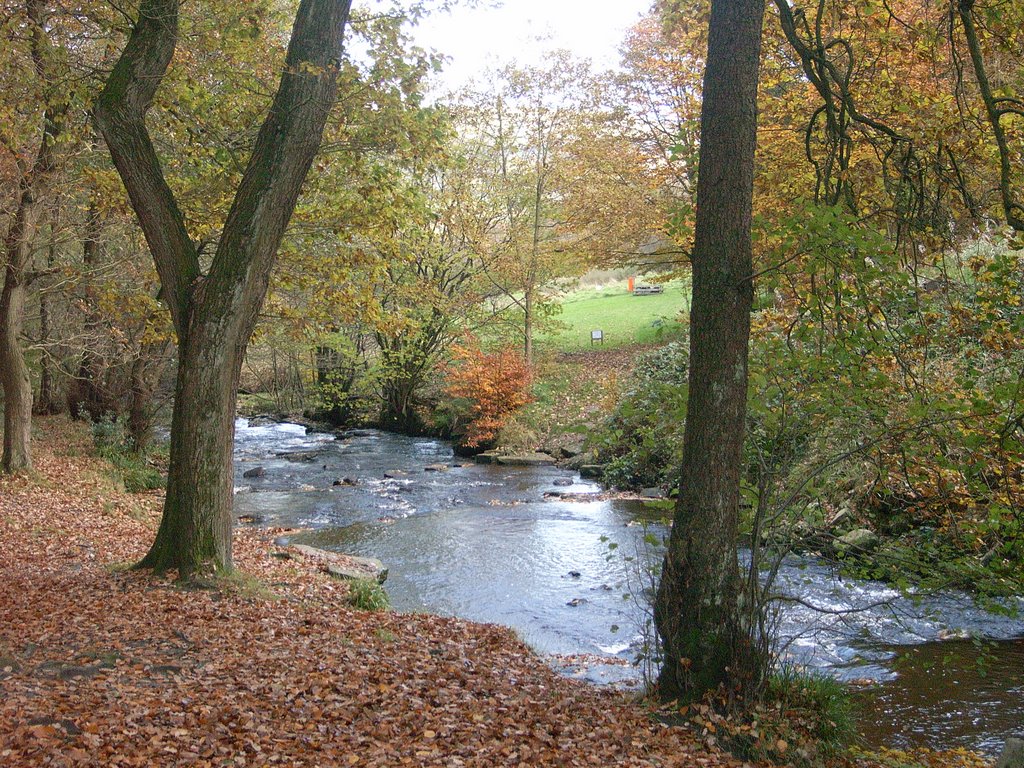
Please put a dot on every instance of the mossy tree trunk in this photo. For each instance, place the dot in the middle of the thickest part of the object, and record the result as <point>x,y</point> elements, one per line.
<point>214,313</point>
<point>706,638</point>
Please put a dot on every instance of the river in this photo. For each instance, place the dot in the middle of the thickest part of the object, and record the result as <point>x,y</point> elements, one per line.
<point>494,544</point>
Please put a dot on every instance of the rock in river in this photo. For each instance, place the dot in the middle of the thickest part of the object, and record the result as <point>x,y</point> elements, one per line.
<point>859,538</point>
<point>487,457</point>
<point>298,455</point>
<point>344,566</point>
<point>526,460</point>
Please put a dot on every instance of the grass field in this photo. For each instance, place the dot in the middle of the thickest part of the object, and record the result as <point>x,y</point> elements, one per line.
<point>624,319</point>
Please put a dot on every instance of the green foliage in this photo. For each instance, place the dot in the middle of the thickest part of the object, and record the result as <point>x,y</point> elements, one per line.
<point>368,595</point>
<point>897,386</point>
<point>641,442</point>
<point>134,470</point>
<point>887,388</point>
<point>335,395</point>
<point>823,702</point>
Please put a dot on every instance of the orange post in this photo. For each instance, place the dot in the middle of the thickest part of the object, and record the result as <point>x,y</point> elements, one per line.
<point>630,283</point>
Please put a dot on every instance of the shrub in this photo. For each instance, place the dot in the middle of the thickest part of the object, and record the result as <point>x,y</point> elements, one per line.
<point>641,442</point>
<point>133,469</point>
<point>486,388</point>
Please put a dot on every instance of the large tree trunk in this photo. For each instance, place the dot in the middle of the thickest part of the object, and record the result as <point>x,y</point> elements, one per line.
<point>18,252</point>
<point>195,530</point>
<point>14,374</point>
<point>214,314</point>
<point>706,639</point>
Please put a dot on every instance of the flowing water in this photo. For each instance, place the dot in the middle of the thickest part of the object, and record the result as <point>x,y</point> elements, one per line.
<point>495,544</point>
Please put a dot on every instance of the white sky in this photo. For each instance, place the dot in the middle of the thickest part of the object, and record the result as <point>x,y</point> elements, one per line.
<point>522,30</point>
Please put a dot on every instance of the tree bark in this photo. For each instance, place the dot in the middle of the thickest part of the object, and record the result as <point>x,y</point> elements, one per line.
<point>14,374</point>
<point>18,251</point>
<point>214,314</point>
<point>706,639</point>
<point>996,109</point>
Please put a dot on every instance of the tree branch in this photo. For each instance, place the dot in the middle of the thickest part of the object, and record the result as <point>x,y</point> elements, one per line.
<point>284,150</point>
<point>120,116</point>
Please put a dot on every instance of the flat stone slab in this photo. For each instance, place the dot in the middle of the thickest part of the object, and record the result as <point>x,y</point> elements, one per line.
<point>487,457</point>
<point>527,460</point>
<point>344,566</point>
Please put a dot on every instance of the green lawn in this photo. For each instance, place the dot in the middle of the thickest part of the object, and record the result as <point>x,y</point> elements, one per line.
<point>624,318</point>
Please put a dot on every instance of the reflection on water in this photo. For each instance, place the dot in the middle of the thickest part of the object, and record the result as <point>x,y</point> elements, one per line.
<point>483,543</point>
<point>958,693</point>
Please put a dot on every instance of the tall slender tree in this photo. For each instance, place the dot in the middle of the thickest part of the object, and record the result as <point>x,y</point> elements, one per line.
<point>214,312</point>
<point>20,242</point>
<point>706,638</point>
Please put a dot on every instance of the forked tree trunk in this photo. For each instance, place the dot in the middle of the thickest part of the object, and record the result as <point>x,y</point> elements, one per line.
<point>214,313</point>
<point>706,639</point>
<point>18,248</point>
<point>195,530</point>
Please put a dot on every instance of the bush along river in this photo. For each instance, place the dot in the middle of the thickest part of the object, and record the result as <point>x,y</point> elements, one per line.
<point>499,544</point>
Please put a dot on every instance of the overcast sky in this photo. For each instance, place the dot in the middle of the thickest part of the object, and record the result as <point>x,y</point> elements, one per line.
<point>522,30</point>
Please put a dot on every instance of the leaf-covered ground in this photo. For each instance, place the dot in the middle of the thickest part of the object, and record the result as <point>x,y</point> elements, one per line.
<point>103,666</point>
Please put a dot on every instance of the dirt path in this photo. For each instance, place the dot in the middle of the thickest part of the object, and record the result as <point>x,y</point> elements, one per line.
<point>100,666</point>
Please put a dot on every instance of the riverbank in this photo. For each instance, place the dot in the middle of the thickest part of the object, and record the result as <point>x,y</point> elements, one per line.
<point>106,666</point>
<point>100,665</point>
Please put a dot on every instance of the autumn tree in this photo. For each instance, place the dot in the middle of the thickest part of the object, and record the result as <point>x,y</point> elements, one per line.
<point>352,295</point>
<point>1003,104</point>
<point>35,175</point>
<point>486,388</point>
<point>662,65</point>
<point>701,620</point>
<point>530,123</point>
<point>431,291</point>
<point>214,310</point>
